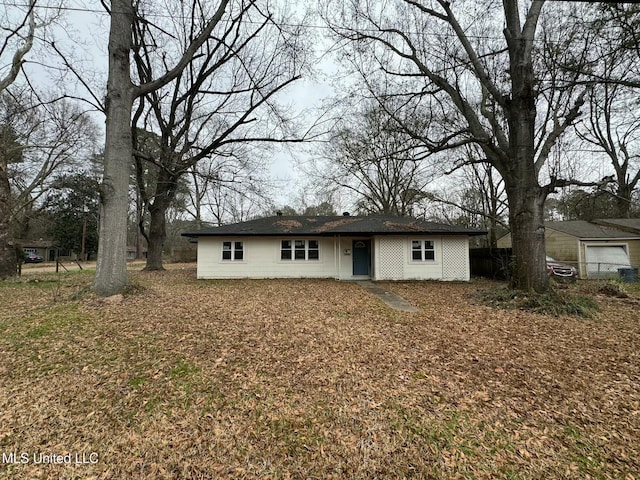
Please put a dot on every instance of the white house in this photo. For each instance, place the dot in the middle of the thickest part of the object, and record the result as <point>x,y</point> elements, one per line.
<point>377,247</point>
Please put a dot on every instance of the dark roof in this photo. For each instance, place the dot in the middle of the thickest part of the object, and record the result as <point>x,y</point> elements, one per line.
<point>584,229</point>
<point>627,224</point>
<point>37,243</point>
<point>334,225</point>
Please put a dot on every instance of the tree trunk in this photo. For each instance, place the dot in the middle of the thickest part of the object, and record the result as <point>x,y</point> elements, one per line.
<point>111,269</point>
<point>139,223</point>
<point>520,175</point>
<point>623,201</point>
<point>526,219</point>
<point>8,262</point>
<point>157,237</point>
<point>164,195</point>
<point>493,238</point>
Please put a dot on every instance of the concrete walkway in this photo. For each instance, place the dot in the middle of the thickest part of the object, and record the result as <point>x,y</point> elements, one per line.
<point>390,298</point>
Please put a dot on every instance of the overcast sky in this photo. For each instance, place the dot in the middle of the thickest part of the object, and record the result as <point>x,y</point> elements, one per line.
<point>82,33</point>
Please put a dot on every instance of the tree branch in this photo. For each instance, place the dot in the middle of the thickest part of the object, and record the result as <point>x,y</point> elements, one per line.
<point>187,56</point>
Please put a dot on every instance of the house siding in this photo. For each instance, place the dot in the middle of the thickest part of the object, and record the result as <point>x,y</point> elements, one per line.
<point>561,246</point>
<point>393,260</point>
<point>390,259</point>
<point>262,259</point>
<point>504,242</point>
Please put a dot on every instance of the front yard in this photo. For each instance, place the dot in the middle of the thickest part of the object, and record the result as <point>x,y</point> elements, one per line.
<point>309,379</point>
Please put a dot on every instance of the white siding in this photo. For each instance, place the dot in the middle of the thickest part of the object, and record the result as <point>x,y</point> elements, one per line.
<point>393,259</point>
<point>455,258</point>
<point>262,260</point>
<point>390,258</point>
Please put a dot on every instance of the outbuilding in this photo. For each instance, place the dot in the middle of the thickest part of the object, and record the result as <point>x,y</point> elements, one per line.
<point>377,247</point>
<point>597,248</point>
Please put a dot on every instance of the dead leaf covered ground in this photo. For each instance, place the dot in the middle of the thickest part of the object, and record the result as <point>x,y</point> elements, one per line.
<point>310,379</point>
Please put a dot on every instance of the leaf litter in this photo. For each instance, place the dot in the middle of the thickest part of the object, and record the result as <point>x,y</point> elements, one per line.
<point>313,379</point>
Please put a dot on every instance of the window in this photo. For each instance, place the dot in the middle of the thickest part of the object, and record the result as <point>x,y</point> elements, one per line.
<point>232,251</point>
<point>422,250</point>
<point>299,250</point>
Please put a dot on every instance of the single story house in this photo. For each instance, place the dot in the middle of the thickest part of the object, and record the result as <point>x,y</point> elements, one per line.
<point>377,247</point>
<point>597,248</point>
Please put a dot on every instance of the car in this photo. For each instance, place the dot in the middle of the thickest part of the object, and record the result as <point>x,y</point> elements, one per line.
<point>32,258</point>
<point>561,271</point>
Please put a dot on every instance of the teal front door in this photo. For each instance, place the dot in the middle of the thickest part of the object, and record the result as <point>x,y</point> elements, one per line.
<point>361,257</point>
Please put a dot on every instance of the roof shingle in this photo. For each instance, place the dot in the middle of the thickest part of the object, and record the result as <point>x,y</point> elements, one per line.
<point>333,225</point>
<point>584,229</point>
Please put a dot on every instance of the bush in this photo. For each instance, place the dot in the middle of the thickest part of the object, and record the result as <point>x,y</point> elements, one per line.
<point>554,302</point>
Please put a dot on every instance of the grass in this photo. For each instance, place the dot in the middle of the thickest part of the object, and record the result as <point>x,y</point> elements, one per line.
<point>314,379</point>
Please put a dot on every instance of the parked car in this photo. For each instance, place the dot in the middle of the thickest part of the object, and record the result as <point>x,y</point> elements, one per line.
<point>561,271</point>
<point>32,258</point>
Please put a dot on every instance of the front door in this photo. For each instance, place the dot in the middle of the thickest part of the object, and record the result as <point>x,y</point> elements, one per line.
<point>361,257</point>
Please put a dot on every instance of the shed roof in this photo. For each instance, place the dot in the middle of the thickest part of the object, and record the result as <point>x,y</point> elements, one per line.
<point>37,243</point>
<point>334,225</point>
<point>627,224</point>
<point>584,229</point>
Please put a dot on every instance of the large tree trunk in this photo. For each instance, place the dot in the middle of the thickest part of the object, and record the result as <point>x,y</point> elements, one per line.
<point>157,237</point>
<point>111,270</point>
<point>164,195</point>
<point>526,197</point>
<point>526,219</point>
<point>8,263</point>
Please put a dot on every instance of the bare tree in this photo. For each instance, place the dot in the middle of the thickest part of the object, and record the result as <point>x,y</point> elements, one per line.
<point>497,94</point>
<point>52,137</point>
<point>613,128</point>
<point>372,156</point>
<point>16,41</point>
<point>477,193</point>
<point>227,190</point>
<point>111,270</point>
<point>224,99</point>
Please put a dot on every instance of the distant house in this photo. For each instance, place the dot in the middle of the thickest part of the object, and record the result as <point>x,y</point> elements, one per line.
<point>597,248</point>
<point>44,248</point>
<point>132,253</point>
<point>379,247</point>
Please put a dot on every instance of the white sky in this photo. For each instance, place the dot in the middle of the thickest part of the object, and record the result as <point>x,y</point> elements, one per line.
<point>82,33</point>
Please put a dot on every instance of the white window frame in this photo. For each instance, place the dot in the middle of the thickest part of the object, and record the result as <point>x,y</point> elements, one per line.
<point>31,250</point>
<point>293,249</point>
<point>233,251</point>
<point>423,250</point>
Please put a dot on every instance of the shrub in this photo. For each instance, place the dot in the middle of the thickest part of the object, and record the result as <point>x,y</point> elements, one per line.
<point>554,302</point>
